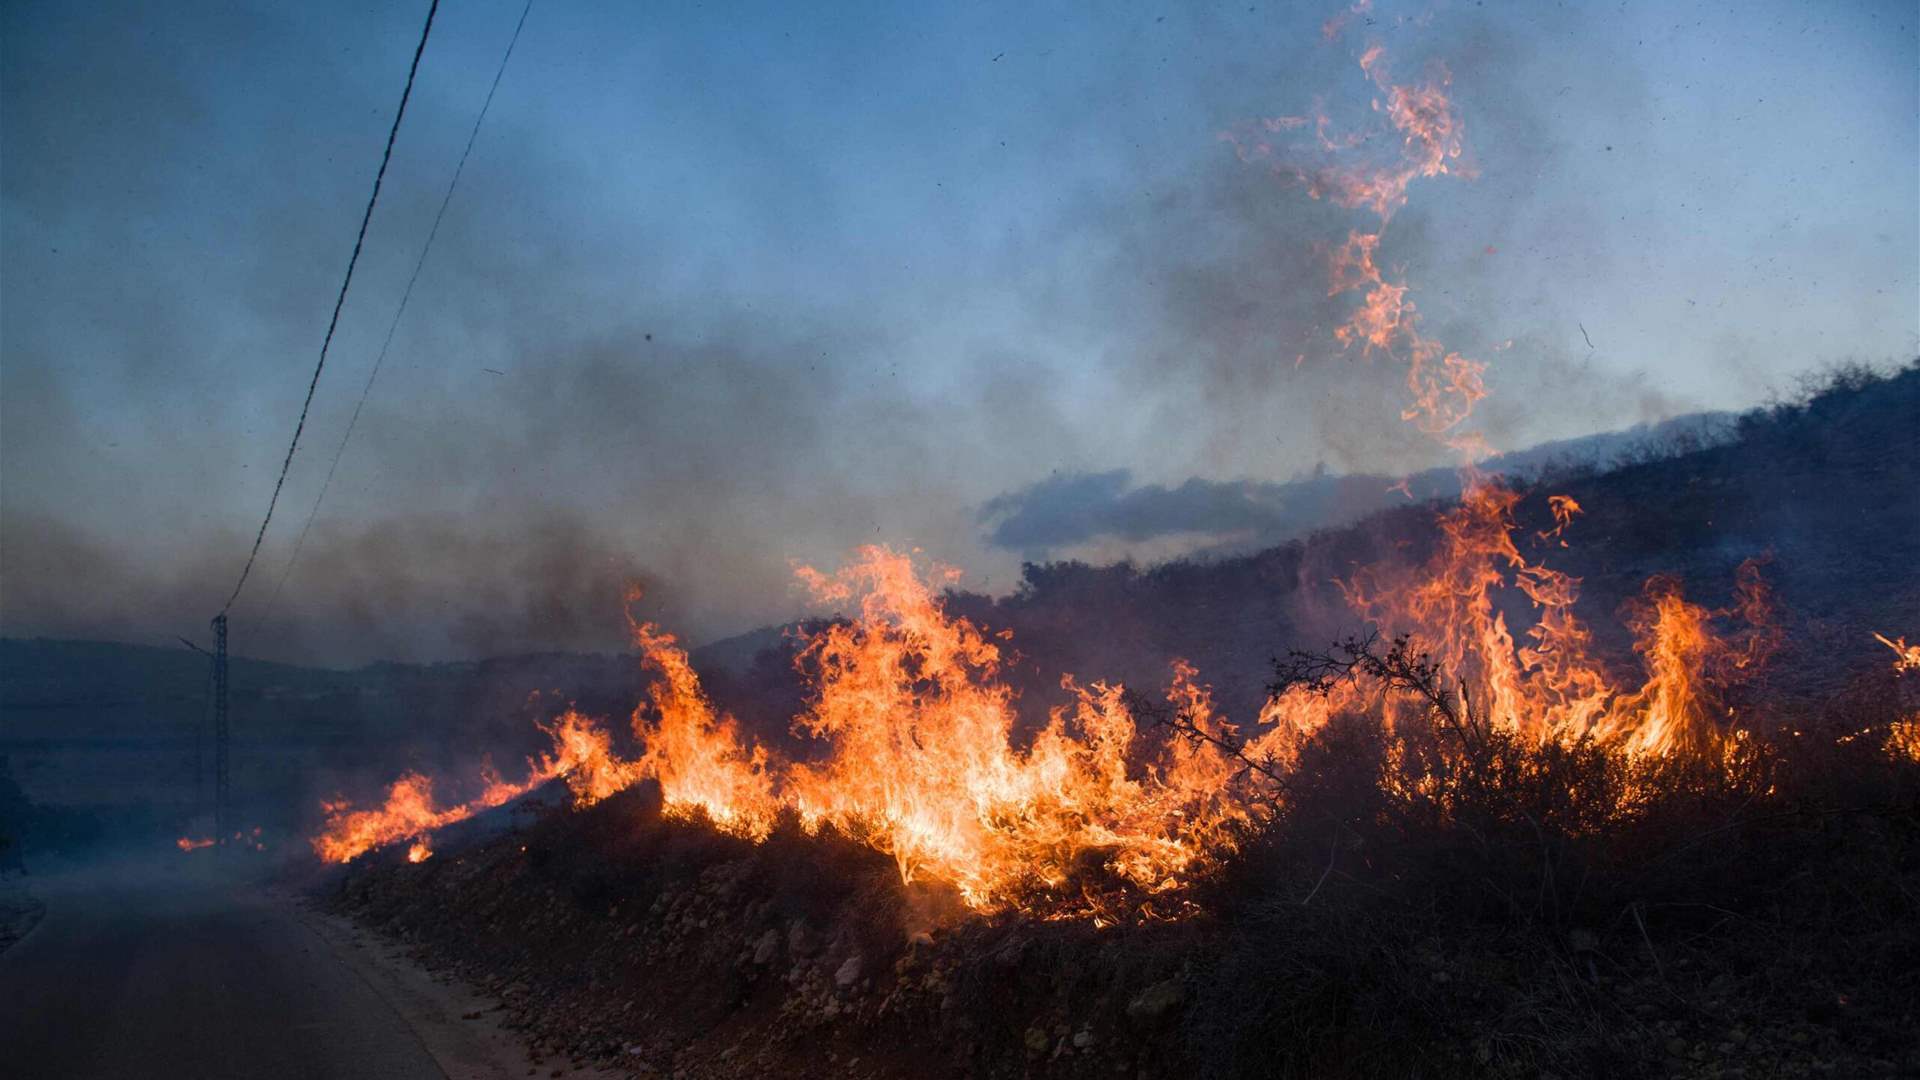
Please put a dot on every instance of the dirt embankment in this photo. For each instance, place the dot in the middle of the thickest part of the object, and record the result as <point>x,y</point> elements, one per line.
<point>612,939</point>
<point>611,936</point>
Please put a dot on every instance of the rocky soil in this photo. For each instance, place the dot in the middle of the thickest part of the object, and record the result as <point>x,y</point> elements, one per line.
<point>613,939</point>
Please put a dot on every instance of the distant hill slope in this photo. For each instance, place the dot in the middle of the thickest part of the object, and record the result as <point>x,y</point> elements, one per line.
<point>1210,518</point>
<point>1828,486</point>
<point>48,672</point>
<point>45,672</point>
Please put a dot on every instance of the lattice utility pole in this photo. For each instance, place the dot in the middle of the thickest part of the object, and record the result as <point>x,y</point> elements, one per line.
<point>221,809</point>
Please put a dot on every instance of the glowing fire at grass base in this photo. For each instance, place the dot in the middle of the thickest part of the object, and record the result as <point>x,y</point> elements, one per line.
<point>1096,816</point>
<point>1903,738</point>
<point>581,754</point>
<point>923,763</point>
<point>244,839</point>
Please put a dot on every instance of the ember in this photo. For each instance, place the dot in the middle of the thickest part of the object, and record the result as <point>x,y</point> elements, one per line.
<point>1907,657</point>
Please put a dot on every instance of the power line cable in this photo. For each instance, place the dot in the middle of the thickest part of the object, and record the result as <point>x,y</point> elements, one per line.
<point>338,303</point>
<point>407,294</point>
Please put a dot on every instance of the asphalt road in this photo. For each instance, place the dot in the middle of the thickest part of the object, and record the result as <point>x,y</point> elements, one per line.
<point>174,968</point>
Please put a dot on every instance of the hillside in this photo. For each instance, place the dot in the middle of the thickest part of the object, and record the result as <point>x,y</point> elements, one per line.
<point>1072,510</point>
<point>1826,490</point>
<point>1516,910</point>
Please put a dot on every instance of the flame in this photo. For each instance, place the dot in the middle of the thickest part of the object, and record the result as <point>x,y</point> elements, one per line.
<point>1418,133</point>
<point>1903,736</point>
<point>919,760</point>
<point>408,811</point>
<point>916,728</point>
<point>1545,683</point>
<point>1907,657</point>
<point>244,838</point>
<point>1562,507</point>
<point>1431,142</point>
<point>696,755</point>
<point>1903,739</point>
<point>1443,386</point>
<point>419,852</point>
<point>923,764</point>
<point>581,754</point>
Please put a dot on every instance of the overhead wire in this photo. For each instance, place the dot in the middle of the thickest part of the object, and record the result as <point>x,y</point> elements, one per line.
<point>406,295</point>
<point>338,303</point>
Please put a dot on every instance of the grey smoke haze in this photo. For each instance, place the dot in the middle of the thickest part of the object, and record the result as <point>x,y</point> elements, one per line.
<point>722,290</point>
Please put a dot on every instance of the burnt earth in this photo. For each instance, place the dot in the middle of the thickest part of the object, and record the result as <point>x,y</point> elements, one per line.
<point>614,938</point>
<point>1759,926</point>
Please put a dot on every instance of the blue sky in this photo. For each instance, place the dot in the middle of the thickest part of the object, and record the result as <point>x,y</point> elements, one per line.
<point>893,261</point>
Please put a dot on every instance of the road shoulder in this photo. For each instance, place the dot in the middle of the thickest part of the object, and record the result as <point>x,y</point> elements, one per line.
<point>20,912</point>
<point>460,1027</point>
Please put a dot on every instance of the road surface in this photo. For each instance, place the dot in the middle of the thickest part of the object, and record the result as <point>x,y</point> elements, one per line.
<point>179,968</point>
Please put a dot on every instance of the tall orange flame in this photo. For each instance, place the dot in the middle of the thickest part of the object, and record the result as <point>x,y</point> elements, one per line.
<point>697,756</point>
<point>924,767</point>
<point>920,763</point>
<point>1546,684</point>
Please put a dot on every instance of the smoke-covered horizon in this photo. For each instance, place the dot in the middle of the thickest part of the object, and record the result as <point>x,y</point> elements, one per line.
<point>721,291</point>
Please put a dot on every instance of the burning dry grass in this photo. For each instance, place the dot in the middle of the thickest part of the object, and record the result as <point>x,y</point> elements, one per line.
<point>1529,907</point>
<point>1557,907</point>
<point>582,755</point>
<point>921,764</point>
<point>1117,806</point>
